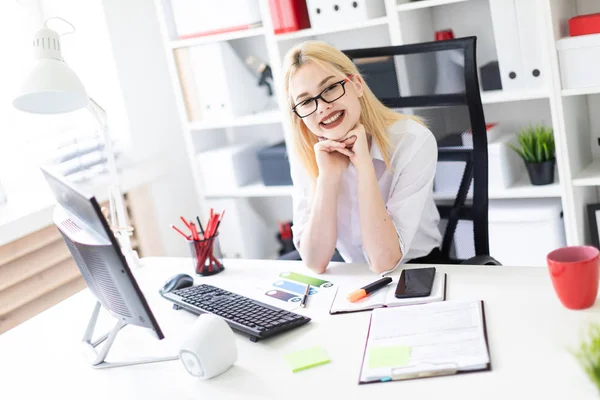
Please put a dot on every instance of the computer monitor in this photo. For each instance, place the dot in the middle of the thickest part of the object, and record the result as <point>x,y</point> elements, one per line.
<point>102,264</point>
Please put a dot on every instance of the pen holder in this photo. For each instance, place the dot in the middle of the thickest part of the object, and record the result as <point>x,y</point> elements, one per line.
<point>203,257</point>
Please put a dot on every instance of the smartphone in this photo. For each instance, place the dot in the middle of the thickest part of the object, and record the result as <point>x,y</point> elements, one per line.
<point>415,283</point>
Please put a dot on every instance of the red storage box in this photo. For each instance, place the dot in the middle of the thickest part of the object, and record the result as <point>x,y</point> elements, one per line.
<point>289,15</point>
<point>584,25</point>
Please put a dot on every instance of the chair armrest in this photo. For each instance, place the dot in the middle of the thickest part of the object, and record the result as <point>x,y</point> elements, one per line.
<point>481,260</point>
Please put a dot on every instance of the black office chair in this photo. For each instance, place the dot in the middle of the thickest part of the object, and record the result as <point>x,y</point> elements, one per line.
<point>407,78</point>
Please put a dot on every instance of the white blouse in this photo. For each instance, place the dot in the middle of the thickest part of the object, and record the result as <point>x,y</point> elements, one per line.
<point>406,188</point>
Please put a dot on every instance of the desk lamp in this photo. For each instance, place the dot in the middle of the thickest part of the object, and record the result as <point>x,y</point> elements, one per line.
<point>54,88</point>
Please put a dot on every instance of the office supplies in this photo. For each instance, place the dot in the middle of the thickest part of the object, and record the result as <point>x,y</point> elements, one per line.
<point>433,339</point>
<point>304,297</point>
<point>289,15</point>
<point>283,296</point>
<point>294,287</point>
<point>179,281</point>
<point>307,358</point>
<point>325,14</point>
<point>104,269</point>
<point>309,280</point>
<point>368,289</point>
<point>209,349</point>
<point>179,231</point>
<point>259,320</point>
<point>588,24</point>
<point>415,282</point>
<point>385,297</point>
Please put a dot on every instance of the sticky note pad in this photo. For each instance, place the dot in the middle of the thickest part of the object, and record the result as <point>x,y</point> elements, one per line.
<point>307,358</point>
<point>388,356</point>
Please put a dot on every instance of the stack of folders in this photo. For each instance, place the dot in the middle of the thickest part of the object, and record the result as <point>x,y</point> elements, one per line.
<point>425,340</point>
<point>385,297</point>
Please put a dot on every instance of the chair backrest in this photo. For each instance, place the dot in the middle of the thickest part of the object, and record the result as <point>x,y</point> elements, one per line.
<point>438,81</point>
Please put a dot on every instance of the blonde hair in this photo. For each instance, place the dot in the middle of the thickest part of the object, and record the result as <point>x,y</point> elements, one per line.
<point>375,116</point>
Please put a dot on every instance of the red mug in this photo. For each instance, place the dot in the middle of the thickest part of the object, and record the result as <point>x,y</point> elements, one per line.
<point>574,271</point>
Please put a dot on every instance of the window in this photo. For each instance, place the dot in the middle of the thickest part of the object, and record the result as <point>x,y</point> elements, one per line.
<point>28,141</point>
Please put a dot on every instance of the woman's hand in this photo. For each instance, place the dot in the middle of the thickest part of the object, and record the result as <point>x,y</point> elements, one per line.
<point>333,157</point>
<point>358,152</point>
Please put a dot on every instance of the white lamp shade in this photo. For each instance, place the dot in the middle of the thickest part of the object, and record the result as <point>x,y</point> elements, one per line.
<point>51,88</point>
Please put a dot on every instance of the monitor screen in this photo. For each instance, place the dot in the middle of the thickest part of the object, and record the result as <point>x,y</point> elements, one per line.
<point>98,255</point>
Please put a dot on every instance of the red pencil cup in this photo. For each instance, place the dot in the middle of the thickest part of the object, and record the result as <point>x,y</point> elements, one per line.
<point>203,257</point>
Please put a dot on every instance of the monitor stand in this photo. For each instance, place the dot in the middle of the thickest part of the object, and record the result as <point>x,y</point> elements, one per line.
<point>97,358</point>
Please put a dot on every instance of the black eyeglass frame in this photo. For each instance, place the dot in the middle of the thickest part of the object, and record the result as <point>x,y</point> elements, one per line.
<point>320,96</point>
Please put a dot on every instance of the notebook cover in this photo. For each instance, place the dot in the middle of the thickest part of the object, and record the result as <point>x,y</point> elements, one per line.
<point>487,345</point>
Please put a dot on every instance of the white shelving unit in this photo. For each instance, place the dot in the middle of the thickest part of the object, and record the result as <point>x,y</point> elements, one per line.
<point>578,161</point>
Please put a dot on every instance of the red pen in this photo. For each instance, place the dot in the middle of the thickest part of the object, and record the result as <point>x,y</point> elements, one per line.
<point>181,233</point>
<point>194,231</point>
<point>185,222</point>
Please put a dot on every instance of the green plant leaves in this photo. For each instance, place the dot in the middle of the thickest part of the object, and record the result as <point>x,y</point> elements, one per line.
<point>536,144</point>
<point>588,354</point>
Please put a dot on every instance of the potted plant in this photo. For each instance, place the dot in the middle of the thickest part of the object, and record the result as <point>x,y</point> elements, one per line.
<point>588,355</point>
<point>537,151</point>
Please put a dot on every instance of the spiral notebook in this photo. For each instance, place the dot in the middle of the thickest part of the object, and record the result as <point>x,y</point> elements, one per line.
<point>425,340</point>
<point>384,297</point>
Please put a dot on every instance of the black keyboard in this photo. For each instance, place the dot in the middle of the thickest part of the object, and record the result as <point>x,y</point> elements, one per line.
<point>257,319</point>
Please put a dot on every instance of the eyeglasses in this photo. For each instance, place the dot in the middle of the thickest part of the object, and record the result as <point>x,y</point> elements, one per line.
<point>330,94</point>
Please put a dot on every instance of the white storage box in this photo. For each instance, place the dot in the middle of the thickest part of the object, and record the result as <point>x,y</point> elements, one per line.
<point>523,232</point>
<point>229,167</point>
<point>328,13</point>
<point>579,58</point>
<point>505,166</point>
<point>224,85</point>
<point>202,17</point>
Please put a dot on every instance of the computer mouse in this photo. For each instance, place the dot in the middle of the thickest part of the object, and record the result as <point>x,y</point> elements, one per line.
<point>178,281</point>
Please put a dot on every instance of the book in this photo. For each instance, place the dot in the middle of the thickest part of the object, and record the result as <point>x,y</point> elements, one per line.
<point>384,297</point>
<point>425,340</point>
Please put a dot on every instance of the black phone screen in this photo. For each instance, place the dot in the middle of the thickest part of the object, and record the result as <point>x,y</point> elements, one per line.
<point>415,282</point>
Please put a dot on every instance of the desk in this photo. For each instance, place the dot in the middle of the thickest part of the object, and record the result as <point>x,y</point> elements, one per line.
<point>529,334</point>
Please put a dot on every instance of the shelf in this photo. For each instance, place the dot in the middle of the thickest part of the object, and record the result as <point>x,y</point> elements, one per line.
<point>254,190</point>
<point>581,91</point>
<point>415,5</point>
<point>501,96</point>
<point>220,37</point>
<point>313,32</point>
<point>264,118</point>
<point>521,189</point>
<point>590,176</point>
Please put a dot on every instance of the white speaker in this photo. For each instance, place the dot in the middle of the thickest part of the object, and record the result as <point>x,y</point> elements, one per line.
<point>209,350</point>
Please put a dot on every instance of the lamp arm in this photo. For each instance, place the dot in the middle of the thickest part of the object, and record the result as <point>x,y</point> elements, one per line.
<point>118,213</point>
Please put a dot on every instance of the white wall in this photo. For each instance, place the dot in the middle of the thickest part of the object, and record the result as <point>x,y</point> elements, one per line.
<point>154,120</point>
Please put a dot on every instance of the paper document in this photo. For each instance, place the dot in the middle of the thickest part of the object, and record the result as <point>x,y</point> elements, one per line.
<point>437,338</point>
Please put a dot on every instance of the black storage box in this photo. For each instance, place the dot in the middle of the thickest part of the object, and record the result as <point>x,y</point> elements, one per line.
<point>490,76</point>
<point>274,165</point>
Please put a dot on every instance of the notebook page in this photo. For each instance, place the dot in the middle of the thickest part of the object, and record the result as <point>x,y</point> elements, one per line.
<point>449,332</point>
<point>374,300</point>
<point>437,292</point>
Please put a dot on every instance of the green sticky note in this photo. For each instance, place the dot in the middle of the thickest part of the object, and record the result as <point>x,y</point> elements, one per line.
<point>388,356</point>
<point>307,358</point>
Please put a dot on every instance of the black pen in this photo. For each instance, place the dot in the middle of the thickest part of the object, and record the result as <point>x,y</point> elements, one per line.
<point>303,303</point>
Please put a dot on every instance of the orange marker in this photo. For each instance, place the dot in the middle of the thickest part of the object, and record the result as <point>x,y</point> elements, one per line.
<point>366,290</point>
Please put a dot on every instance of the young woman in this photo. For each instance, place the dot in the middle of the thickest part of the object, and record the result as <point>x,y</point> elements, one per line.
<point>362,173</point>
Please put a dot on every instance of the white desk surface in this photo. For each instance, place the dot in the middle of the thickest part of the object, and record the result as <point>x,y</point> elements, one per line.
<point>529,332</point>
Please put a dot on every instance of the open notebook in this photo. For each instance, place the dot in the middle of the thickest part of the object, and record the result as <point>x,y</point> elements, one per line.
<point>384,297</point>
<point>425,340</point>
